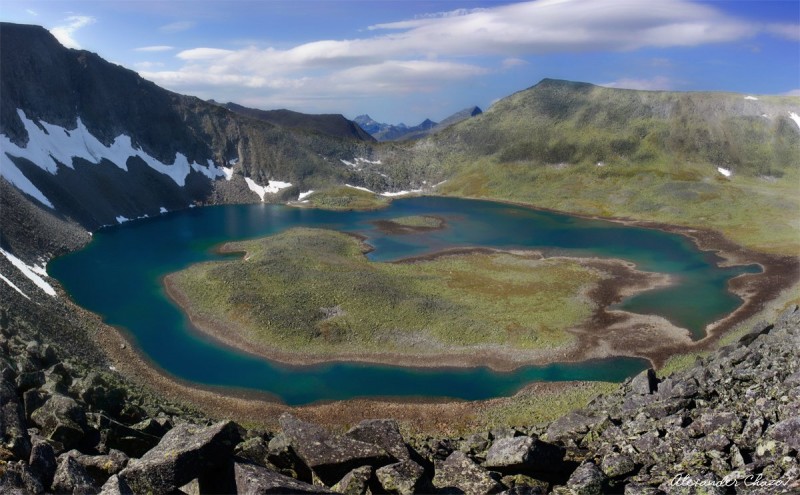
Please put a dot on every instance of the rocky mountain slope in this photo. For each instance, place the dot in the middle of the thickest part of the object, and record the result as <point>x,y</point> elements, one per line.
<point>96,143</point>
<point>330,124</point>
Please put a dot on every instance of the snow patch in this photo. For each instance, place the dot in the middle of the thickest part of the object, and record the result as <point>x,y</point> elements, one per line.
<point>9,282</point>
<point>358,160</point>
<point>751,98</point>
<point>795,117</point>
<point>13,175</point>
<point>121,219</point>
<point>30,272</point>
<point>163,210</point>
<point>400,193</point>
<point>272,187</point>
<point>601,164</point>
<point>360,188</point>
<point>233,161</point>
<point>227,172</point>
<point>724,171</point>
<point>303,195</point>
<point>51,144</point>
<point>440,183</point>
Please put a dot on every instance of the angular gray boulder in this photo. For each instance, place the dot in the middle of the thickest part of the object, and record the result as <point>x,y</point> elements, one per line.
<point>384,433</point>
<point>523,454</point>
<point>186,452</point>
<point>71,477</point>
<point>256,480</point>
<point>328,456</point>
<point>586,480</point>
<point>61,419</point>
<point>459,474</point>
<point>404,478</point>
<point>356,482</point>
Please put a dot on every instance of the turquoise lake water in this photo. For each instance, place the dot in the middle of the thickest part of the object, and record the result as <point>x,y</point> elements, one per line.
<point>118,275</point>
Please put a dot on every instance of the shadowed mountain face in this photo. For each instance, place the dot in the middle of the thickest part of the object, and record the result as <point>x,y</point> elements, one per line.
<point>334,125</point>
<point>125,147</point>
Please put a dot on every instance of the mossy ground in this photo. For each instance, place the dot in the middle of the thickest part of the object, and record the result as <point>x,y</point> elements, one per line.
<point>314,291</point>
<point>757,213</point>
<point>347,198</point>
<point>418,221</point>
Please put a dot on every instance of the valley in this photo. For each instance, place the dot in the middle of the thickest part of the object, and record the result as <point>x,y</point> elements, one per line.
<point>168,261</point>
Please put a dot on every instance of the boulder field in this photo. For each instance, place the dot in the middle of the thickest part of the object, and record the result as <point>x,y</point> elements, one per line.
<point>727,424</point>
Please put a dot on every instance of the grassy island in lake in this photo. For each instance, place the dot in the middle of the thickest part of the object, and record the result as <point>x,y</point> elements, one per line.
<point>313,293</point>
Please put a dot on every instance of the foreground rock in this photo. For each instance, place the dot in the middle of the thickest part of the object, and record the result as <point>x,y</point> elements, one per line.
<point>185,453</point>
<point>328,456</point>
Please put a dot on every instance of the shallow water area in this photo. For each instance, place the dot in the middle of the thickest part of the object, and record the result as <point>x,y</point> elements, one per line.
<point>118,275</point>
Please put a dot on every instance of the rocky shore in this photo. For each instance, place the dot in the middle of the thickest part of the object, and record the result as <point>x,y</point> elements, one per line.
<point>728,424</point>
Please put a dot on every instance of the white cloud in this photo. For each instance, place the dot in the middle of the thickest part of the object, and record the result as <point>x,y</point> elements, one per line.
<point>788,31</point>
<point>154,48</point>
<point>32,12</point>
<point>177,27</point>
<point>406,55</point>
<point>513,62</point>
<point>64,33</point>
<point>653,84</point>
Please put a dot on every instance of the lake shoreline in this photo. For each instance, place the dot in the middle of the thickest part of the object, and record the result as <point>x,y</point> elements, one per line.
<point>756,290</point>
<point>623,280</point>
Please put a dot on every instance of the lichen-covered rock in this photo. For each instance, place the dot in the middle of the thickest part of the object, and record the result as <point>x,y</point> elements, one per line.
<point>43,461</point>
<point>13,433</point>
<point>254,450</point>
<point>404,478</point>
<point>384,433</point>
<point>615,465</point>
<point>281,456</point>
<point>523,454</point>
<point>459,474</point>
<point>256,480</point>
<point>787,431</point>
<point>570,425</point>
<point>586,480</point>
<point>644,383</point>
<point>356,482</point>
<point>185,453</point>
<point>116,486</point>
<point>100,467</point>
<point>61,419</point>
<point>115,435</point>
<point>328,456</point>
<point>71,477</point>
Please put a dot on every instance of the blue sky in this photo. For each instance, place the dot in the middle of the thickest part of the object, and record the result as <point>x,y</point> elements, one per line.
<point>403,61</point>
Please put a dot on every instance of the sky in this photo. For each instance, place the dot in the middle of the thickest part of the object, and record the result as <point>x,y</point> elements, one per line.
<point>404,61</point>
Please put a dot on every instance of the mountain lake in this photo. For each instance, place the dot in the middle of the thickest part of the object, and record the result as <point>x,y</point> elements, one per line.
<point>119,276</point>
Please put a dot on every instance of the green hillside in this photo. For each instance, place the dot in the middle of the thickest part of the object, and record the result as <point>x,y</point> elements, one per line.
<point>623,153</point>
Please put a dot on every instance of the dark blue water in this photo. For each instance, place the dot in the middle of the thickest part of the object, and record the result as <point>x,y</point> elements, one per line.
<point>118,275</point>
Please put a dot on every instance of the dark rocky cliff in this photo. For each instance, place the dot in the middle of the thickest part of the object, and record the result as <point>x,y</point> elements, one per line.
<point>56,86</point>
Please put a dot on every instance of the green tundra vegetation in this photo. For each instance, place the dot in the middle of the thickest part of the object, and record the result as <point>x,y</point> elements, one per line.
<point>647,155</point>
<point>418,222</point>
<point>315,290</point>
<point>346,198</point>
